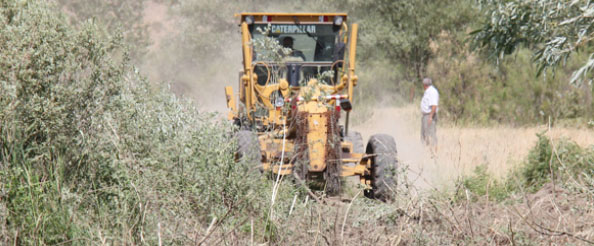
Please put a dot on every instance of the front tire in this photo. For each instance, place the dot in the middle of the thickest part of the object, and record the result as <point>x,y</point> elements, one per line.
<point>384,163</point>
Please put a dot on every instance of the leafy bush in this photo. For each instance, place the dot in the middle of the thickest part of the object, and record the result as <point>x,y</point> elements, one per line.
<point>116,16</point>
<point>403,41</point>
<point>553,29</point>
<point>559,161</point>
<point>90,152</point>
<point>482,183</point>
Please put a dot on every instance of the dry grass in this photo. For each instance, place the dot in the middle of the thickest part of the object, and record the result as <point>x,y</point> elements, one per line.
<point>552,216</point>
<point>460,149</point>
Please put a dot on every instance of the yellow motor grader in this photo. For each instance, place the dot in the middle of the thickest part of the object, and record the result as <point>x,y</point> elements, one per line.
<point>293,96</point>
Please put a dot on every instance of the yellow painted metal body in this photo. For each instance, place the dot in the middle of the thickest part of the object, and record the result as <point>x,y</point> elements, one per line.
<point>352,78</point>
<point>231,104</point>
<point>278,143</point>
<point>317,136</point>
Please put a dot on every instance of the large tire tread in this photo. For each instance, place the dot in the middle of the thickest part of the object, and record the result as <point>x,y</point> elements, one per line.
<point>384,165</point>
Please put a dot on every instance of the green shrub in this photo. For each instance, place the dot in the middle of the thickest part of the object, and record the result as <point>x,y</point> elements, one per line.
<point>91,152</point>
<point>482,183</point>
<point>560,161</point>
<point>116,16</point>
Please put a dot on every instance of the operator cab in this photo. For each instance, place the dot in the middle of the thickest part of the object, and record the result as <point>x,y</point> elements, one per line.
<point>314,41</point>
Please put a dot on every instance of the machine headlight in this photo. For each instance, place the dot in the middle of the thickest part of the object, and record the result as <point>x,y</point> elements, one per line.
<point>280,101</point>
<point>338,20</point>
<point>249,19</point>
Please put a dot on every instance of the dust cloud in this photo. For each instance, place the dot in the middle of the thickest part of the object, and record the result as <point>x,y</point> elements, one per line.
<point>196,45</point>
<point>172,59</point>
<point>404,125</point>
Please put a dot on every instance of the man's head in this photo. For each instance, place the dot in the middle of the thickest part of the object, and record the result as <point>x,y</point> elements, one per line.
<point>427,82</point>
<point>288,42</point>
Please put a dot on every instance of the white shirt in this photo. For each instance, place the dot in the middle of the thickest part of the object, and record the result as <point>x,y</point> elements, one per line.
<point>430,98</point>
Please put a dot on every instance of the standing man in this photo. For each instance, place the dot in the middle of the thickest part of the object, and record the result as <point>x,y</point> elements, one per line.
<point>429,105</point>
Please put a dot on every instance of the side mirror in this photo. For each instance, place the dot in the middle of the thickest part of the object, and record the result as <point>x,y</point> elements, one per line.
<point>346,105</point>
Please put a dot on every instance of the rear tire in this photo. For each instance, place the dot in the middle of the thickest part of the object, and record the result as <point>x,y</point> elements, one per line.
<point>383,166</point>
<point>355,138</point>
<point>248,149</point>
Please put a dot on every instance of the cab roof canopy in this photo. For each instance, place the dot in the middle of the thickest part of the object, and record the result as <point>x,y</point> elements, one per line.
<point>305,18</point>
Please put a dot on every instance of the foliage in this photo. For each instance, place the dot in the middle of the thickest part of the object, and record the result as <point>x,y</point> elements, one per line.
<point>558,161</point>
<point>116,16</point>
<point>401,30</point>
<point>269,49</point>
<point>90,152</point>
<point>482,183</point>
<point>464,81</point>
<point>554,29</point>
<point>474,91</point>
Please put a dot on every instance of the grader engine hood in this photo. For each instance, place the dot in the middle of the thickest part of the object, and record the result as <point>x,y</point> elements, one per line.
<point>317,130</point>
<point>317,119</point>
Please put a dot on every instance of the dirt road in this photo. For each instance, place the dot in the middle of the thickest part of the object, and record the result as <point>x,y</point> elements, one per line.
<point>460,149</point>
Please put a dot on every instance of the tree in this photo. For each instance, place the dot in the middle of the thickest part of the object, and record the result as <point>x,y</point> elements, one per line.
<point>401,31</point>
<point>553,29</point>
